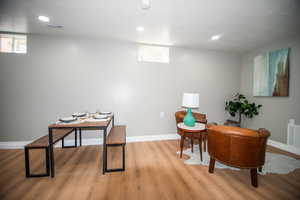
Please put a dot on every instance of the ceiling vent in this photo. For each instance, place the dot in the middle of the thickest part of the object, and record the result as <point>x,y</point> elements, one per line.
<point>54,26</point>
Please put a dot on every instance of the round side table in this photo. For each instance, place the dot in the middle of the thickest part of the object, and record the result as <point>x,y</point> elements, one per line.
<point>193,133</point>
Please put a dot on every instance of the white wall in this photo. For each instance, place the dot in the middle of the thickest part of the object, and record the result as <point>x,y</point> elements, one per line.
<point>276,111</point>
<point>60,76</point>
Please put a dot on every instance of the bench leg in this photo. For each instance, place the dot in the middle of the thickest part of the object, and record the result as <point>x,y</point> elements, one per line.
<point>27,169</point>
<point>52,167</point>
<point>123,160</point>
<point>105,161</point>
<point>104,153</point>
<point>123,153</point>
<point>72,146</point>
<point>47,161</point>
<point>27,163</point>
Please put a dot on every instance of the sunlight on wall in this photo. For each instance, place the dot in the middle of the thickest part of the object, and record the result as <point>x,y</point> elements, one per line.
<point>13,43</point>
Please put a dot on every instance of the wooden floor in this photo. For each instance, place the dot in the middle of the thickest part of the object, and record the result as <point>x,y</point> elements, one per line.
<point>153,171</point>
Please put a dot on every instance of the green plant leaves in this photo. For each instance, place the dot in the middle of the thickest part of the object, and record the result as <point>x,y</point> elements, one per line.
<point>239,104</point>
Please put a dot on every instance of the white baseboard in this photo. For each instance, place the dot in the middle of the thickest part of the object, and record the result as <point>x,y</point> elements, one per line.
<point>94,141</point>
<point>284,147</point>
<point>152,138</point>
<point>98,141</point>
<point>13,145</point>
<point>130,139</point>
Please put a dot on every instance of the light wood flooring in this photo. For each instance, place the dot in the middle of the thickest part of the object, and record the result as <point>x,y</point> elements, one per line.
<point>153,171</point>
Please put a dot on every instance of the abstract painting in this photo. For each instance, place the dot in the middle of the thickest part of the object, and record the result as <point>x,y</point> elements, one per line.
<point>271,73</point>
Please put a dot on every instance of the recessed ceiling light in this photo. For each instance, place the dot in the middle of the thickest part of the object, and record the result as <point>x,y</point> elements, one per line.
<point>145,4</point>
<point>140,29</point>
<point>44,18</point>
<point>216,37</point>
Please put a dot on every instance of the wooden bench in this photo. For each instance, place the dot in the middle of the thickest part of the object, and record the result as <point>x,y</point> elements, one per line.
<point>116,137</point>
<point>43,143</point>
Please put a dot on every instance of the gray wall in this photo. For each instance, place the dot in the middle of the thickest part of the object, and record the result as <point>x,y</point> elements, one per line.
<point>60,76</point>
<point>276,111</point>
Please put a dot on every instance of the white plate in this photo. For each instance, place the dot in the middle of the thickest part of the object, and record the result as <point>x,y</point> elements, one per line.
<point>97,116</point>
<point>68,119</point>
<point>95,120</point>
<point>105,113</point>
<point>78,114</point>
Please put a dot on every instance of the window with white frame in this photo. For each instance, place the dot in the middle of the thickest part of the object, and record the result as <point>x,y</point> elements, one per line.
<point>13,43</point>
<point>147,53</point>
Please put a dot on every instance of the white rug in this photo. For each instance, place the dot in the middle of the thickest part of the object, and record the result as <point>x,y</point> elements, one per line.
<point>275,163</point>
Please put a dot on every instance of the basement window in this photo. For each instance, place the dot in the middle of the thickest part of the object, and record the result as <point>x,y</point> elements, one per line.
<point>157,54</point>
<point>13,43</point>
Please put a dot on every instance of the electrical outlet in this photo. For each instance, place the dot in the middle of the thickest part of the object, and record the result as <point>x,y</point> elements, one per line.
<point>162,114</point>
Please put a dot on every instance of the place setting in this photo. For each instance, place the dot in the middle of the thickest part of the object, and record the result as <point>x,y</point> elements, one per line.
<point>80,117</point>
<point>98,117</point>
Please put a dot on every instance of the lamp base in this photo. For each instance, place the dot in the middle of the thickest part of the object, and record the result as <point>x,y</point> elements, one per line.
<point>189,119</point>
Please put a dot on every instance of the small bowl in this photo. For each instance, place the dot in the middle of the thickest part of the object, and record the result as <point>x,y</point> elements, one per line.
<point>79,114</point>
<point>97,116</point>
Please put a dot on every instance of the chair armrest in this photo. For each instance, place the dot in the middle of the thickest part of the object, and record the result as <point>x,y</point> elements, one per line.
<point>211,124</point>
<point>264,132</point>
<point>203,121</point>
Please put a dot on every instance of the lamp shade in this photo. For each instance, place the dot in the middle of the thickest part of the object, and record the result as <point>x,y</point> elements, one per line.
<point>190,100</point>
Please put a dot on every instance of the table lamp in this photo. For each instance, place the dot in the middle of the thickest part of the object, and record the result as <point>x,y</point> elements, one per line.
<point>189,101</point>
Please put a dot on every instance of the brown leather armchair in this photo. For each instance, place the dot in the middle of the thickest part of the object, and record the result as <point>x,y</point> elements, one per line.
<point>237,147</point>
<point>200,118</point>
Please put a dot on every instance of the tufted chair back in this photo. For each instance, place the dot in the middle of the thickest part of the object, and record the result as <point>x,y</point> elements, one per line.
<point>238,147</point>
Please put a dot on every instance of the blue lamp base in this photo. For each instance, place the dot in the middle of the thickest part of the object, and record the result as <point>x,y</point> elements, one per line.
<point>189,119</point>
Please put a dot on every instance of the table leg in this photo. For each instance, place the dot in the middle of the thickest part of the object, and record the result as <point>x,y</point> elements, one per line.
<point>75,137</point>
<point>80,138</point>
<point>200,146</point>
<point>51,152</point>
<point>192,143</point>
<point>181,145</point>
<point>205,142</point>
<point>104,158</point>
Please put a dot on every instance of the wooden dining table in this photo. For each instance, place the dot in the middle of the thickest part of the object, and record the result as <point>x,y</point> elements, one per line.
<point>97,125</point>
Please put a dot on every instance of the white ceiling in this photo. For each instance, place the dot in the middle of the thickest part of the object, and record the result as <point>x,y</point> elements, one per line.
<point>244,24</point>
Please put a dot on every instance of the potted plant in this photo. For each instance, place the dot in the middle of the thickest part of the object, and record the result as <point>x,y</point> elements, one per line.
<point>239,106</point>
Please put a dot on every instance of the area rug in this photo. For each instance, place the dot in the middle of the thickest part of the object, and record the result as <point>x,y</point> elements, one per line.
<point>275,163</point>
